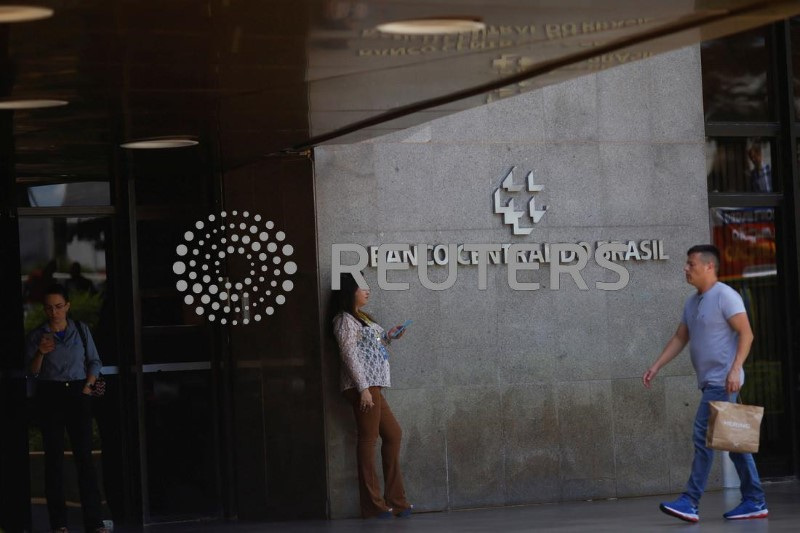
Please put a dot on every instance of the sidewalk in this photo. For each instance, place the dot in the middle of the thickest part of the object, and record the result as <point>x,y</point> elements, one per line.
<point>623,515</point>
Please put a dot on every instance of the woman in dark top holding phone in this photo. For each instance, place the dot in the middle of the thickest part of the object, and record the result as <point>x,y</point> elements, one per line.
<point>365,370</point>
<point>66,367</point>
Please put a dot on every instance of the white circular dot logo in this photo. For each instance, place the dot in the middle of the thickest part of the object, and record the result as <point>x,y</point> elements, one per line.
<point>244,301</point>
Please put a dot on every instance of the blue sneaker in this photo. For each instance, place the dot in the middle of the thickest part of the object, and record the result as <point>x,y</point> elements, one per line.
<point>748,509</point>
<point>385,515</point>
<point>405,513</point>
<point>681,508</point>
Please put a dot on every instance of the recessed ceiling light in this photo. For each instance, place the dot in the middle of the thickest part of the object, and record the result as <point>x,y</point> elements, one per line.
<point>432,26</point>
<point>23,13</point>
<point>31,104</point>
<point>159,143</point>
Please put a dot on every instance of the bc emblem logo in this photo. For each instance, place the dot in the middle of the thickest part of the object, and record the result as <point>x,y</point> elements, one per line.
<point>510,215</point>
<point>209,243</point>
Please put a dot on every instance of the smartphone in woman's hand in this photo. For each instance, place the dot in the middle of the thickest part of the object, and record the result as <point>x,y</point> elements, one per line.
<point>401,329</point>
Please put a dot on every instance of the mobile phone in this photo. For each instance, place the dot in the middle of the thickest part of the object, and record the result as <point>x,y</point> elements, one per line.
<point>402,328</point>
<point>47,336</point>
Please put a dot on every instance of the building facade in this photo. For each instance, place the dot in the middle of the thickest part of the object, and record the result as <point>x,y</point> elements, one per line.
<point>519,396</point>
<point>229,407</point>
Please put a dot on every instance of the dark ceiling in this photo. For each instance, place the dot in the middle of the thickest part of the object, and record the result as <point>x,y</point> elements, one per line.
<point>254,77</point>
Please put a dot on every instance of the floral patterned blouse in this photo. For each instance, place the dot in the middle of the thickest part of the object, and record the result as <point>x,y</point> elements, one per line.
<point>364,353</point>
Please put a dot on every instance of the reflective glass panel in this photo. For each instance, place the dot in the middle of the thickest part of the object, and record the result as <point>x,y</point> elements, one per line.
<point>795,34</point>
<point>181,446</point>
<point>74,252</point>
<point>736,79</point>
<point>740,164</point>
<point>747,241</point>
<point>87,193</point>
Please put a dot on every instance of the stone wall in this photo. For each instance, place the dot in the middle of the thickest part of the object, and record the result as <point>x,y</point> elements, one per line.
<point>510,397</point>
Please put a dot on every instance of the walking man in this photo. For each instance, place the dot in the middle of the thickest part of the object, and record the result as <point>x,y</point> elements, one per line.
<point>715,321</point>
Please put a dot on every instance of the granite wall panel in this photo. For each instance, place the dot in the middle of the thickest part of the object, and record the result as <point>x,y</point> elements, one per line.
<point>510,397</point>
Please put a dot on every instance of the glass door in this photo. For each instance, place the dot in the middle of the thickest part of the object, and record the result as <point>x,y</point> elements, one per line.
<point>75,252</point>
<point>178,353</point>
<point>157,428</point>
<point>179,385</point>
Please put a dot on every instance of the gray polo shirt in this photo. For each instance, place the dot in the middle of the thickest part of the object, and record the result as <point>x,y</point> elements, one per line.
<point>69,361</point>
<point>712,341</point>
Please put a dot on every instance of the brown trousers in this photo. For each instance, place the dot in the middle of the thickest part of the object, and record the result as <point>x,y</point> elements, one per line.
<point>378,420</point>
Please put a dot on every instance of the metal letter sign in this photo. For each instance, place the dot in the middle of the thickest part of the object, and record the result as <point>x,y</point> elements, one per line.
<point>510,215</point>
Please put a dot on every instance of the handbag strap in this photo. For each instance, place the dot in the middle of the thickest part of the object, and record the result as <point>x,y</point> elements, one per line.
<point>79,326</point>
<point>82,333</point>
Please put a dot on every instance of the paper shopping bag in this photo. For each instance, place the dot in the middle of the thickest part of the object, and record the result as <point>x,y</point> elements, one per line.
<point>734,427</point>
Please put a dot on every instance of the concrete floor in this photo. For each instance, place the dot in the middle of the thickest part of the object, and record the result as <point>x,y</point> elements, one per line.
<point>624,515</point>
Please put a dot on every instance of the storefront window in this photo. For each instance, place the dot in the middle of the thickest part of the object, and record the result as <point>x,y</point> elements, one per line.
<point>746,238</point>
<point>740,164</point>
<point>736,79</point>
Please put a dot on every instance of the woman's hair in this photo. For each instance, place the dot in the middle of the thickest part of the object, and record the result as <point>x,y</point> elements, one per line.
<point>57,288</point>
<point>344,299</point>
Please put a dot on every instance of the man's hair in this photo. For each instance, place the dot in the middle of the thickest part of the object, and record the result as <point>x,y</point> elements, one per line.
<point>708,253</point>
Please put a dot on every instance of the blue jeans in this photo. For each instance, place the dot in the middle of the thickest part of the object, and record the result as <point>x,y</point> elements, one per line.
<point>704,457</point>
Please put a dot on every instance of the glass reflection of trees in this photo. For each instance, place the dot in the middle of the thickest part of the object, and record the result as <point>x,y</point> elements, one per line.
<point>736,78</point>
<point>69,251</point>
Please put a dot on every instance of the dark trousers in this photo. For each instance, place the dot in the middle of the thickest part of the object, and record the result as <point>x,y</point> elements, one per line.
<point>63,406</point>
<point>378,421</point>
